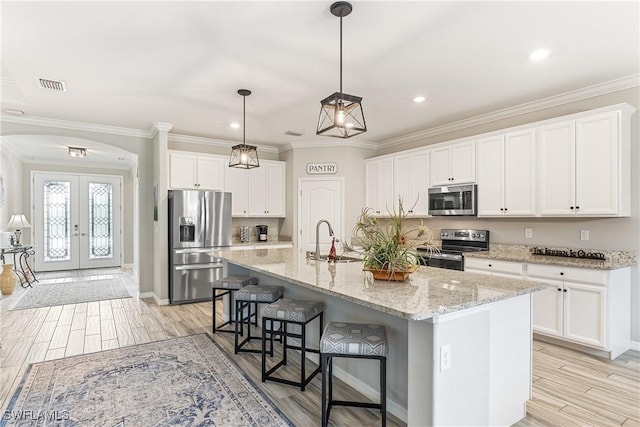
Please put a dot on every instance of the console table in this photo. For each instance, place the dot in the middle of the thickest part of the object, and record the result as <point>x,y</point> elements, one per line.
<point>21,265</point>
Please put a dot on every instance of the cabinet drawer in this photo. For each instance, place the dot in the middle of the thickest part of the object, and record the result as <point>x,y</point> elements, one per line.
<point>493,265</point>
<point>567,273</point>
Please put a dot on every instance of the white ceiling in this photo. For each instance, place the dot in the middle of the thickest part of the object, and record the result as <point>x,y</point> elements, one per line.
<point>129,64</point>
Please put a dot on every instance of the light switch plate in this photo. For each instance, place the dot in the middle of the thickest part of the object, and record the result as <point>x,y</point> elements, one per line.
<point>584,234</point>
<point>528,233</point>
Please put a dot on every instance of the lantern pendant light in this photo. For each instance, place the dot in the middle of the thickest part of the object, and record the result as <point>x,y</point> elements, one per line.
<point>242,155</point>
<point>341,115</point>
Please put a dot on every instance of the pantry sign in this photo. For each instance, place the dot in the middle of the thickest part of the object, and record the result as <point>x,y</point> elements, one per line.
<point>329,168</point>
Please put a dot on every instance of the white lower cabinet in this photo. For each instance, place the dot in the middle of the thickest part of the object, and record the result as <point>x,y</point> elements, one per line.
<point>589,307</point>
<point>585,306</point>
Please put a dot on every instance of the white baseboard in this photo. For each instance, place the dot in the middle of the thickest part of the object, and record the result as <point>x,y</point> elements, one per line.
<point>154,296</point>
<point>160,301</point>
<point>635,345</point>
<point>392,407</point>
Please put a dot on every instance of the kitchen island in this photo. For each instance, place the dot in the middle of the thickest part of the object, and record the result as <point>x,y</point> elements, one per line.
<point>460,343</point>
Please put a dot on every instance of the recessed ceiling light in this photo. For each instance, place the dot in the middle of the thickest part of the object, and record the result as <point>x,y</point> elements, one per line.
<point>539,55</point>
<point>235,125</point>
<point>14,112</point>
<point>419,99</point>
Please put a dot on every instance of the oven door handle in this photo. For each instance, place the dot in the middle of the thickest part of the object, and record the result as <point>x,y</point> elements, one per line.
<point>197,266</point>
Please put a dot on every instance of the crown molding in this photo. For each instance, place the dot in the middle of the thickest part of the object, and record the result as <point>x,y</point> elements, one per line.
<point>160,127</point>
<point>66,124</point>
<point>529,107</point>
<point>333,142</point>
<point>200,140</point>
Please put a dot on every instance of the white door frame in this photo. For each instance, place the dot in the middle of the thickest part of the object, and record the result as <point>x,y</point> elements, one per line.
<point>340,179</point>
<point>120,201</point>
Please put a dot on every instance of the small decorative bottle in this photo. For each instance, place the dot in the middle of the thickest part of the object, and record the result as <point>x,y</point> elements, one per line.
<point>332,252</point>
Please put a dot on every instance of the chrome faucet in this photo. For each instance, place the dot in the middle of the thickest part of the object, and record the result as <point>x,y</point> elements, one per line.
<point>318,236</point>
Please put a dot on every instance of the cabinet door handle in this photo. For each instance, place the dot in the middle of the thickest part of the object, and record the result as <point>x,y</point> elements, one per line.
<point>489,265</point>
<point>562,273</point>
<point>559,289</point>
<point>571,208</point>
<point>577,207</point>
<point>501,209</point>
<point>505,209</point>
<point>565,290</point>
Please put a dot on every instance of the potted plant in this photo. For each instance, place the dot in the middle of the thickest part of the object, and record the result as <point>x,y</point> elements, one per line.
<point>389,243</point>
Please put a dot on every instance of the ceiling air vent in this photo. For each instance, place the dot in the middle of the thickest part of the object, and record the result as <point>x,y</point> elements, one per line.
<point>57,85</point>
<point>293,133</point>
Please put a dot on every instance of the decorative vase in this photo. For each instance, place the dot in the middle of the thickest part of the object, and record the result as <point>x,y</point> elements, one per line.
<point>396,276</point>
<point>7,279</point>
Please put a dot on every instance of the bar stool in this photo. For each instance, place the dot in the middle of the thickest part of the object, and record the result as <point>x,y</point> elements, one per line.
<point>248,298</point>
<point>228,285</point>
<point>288,312</point>
<point>353,340</point>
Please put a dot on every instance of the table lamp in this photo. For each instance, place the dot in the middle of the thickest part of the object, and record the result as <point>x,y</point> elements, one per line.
<point>18,221</point>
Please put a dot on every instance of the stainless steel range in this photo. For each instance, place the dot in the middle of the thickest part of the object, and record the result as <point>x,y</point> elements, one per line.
<point>454,244</point>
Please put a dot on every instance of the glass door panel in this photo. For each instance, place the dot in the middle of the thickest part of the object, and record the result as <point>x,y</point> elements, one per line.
<point>77,221</point>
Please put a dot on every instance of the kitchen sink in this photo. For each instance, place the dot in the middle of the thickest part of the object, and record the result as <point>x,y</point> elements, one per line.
<point>340,259</point>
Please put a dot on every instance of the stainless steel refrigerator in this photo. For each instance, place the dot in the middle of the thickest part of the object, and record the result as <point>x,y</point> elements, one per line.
<point>199,223</point>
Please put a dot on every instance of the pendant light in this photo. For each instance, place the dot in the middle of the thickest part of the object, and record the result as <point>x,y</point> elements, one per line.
<point>341,115</point>
<point>242,155</point>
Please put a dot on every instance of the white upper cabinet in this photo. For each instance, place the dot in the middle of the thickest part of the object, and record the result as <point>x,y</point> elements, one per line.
<point>257,192</point>
<point>598,165</point>
<point>584,166</point>
<point>379,193</point>
<point>453,164</point>
<point>266,189</point>
<point>506,174</point>
<point>237,183</point>
<point>196,171</point>
<point>411,181</point>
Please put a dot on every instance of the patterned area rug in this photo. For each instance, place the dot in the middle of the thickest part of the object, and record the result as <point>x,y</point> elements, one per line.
<point>50,294</point>
<point>177,382</point>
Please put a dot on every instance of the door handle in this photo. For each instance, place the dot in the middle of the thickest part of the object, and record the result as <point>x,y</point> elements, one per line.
<point>195,251</point>
<point>83,234</point>
<point>197,266</point>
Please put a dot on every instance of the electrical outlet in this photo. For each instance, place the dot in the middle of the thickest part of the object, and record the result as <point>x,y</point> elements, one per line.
<point>528,233</point>
<point>445,357</point>
<point>584,234</point>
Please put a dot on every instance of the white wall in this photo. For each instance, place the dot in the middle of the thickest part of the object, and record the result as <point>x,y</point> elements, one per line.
<point>605,233</point>
<point>11,194</point>
<point>350,161</point>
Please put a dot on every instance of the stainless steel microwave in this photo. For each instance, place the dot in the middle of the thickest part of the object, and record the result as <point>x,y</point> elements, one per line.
<point>451,200</point>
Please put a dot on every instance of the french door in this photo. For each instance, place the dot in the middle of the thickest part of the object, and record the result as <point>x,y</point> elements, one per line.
<point>77,221</point>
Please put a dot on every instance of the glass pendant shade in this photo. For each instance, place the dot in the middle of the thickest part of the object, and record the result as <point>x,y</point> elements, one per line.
<point>341,116</point>
<point>244,156</point>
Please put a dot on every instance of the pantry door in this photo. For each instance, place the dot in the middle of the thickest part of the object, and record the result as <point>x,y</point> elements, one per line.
<point>320,199</point>
<point>77,221</point>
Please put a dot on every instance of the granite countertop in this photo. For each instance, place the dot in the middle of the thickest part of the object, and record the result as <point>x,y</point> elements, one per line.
<point>252,241</point>
<point>428,293</point>
<point>519,253</point>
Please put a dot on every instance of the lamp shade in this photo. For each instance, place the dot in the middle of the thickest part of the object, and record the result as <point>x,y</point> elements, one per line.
<point>18,221</point>
<point>341,116</point>
<point>244,156</point>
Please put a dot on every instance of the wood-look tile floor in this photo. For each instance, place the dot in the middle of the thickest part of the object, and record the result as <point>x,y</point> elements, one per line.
<point>569,388</point>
